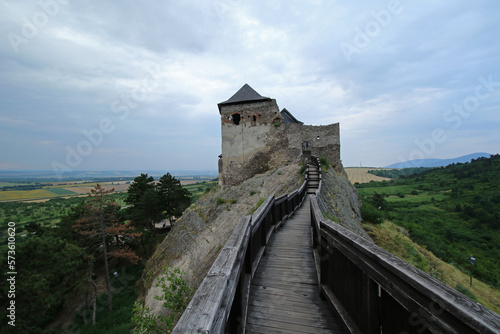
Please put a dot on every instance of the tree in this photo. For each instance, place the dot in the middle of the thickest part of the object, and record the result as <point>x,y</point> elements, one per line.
<point>378,201</point>
<point>145,209</point>
<point>137,189</point>
<point>150,202</point>
<point>174,198</point>
<point>48,271</point>
<point>98,225</point>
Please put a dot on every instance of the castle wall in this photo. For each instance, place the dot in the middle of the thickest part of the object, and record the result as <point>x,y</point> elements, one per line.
<point>324,140</point>
<point>247,147</point>
<point>255,140</point>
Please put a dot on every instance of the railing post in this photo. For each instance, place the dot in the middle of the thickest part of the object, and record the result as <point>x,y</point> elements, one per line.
<point>371,306</point>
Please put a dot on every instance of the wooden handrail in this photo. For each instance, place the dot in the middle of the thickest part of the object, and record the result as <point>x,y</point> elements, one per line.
<point>220,304</point>
<point>372,290</point>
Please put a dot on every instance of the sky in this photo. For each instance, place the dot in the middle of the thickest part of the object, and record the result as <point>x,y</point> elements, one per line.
<point>126,85</point>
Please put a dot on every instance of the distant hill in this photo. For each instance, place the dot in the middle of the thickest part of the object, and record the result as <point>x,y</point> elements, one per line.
<point>83,175</point>
<point>438,162</point>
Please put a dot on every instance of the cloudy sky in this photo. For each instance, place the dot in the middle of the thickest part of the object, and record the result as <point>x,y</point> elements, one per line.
<point>135,84</point>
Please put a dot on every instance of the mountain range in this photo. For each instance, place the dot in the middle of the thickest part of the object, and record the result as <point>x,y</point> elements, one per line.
<point>437,162</point>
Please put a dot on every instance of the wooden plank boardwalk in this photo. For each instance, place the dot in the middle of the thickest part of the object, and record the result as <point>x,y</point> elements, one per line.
<point>284,295</point>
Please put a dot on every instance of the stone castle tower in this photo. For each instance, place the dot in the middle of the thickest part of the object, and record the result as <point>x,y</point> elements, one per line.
<point>257,137</point>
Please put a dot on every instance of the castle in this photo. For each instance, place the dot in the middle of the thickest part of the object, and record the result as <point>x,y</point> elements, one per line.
<point>257,137</point>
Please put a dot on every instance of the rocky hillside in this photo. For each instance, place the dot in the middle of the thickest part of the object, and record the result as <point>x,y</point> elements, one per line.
<point>339,201</point>
<point>197,237</point>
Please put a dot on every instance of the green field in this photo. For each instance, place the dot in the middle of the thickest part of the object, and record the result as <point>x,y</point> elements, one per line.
<point>11,184</point>
<point>453,212</point>
<point>198,189</point>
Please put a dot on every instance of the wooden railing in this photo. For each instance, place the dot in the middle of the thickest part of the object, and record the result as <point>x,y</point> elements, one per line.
<point>373,291</point>
<point>220,304</point>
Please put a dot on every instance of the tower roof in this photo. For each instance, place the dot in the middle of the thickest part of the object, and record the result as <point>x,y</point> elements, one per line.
<point>289,118</point>
<point>246,94</point>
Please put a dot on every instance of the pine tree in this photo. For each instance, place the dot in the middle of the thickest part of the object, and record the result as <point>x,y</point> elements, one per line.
<point>101,230</point>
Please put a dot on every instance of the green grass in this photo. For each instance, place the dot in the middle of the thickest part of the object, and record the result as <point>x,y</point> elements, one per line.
<point>199,189</point>
<point>259,203</point>
<point>389,237</point>
<point>12,184</point>
<point>453,211</point>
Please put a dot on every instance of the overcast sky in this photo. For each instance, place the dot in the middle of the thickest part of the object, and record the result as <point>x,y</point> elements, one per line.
<point>135,84</point>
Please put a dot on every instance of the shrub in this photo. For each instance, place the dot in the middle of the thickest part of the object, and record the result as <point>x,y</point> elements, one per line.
<point>303,168</point>
<point>176,296</point>
<point>323,161</point>
<point>370,213</point>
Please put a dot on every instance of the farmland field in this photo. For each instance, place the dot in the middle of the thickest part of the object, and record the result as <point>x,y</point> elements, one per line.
<point>66,189</point>
<point>60,191</point>
<point>361,175</point>
<point>15,195</point>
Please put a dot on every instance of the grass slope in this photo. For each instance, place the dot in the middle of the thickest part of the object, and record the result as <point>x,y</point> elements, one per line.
<point>390,237</point>
<point>454,212</point>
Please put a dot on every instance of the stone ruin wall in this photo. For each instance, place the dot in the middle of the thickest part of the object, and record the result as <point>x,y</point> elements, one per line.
<point>261,142</point>
<point>252,147</point>
<point>324,140</point>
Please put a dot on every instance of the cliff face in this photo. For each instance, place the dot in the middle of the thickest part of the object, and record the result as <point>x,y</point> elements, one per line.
<point>197,237</point>
<point>339,201</point>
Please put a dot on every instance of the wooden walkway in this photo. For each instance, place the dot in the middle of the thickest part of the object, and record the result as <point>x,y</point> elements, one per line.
<point>284,296</point>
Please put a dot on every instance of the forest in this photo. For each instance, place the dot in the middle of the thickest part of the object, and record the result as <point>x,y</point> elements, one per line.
<point>453,211</point>
<point>62,248</point>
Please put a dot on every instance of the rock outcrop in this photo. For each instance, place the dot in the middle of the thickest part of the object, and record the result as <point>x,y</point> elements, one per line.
<point>339,201</point>
<point>197,237</point>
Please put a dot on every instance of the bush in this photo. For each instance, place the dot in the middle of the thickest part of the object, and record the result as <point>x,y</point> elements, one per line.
<point>323,161</point>
<point>370,213</point>
<point>176,296</point>
<point>302,168</point>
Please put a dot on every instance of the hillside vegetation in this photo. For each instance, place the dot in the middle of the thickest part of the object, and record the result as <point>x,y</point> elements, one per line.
<point>393,239</point>
<point>452,211</point>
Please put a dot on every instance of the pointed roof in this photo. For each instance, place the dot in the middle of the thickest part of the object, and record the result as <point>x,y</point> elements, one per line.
<point>288,117</point>
<point>246,94</point>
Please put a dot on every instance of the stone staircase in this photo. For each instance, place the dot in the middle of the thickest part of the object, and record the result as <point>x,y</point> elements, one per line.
<point>313,176</point>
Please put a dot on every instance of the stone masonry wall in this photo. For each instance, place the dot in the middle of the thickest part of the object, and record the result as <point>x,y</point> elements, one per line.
<point>324,140</point>
<point>249,147</point>
<point>255,140</point>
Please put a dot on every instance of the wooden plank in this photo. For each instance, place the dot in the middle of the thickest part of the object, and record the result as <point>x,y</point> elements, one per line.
<point>211,304</point>
<point>307,327</point>
<point>350,326</point>
<point>314,309</point>
<point>284,294</point>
